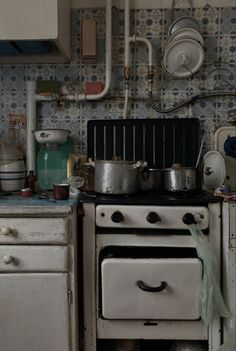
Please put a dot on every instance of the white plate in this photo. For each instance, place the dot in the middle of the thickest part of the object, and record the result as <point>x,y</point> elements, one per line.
<point>213,170</point>
<point>190,33</point>
<point>183,57</point>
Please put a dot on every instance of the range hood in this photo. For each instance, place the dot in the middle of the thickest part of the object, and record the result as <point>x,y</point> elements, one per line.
<point>34,31</point>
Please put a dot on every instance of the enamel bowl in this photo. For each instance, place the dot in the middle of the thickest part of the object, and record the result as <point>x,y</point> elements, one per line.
<point>51,136</point>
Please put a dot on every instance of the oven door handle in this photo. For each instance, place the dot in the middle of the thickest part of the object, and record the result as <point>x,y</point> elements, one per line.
<point>143,286</point>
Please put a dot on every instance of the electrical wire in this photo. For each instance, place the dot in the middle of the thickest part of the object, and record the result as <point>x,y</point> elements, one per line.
<point>189,101</point>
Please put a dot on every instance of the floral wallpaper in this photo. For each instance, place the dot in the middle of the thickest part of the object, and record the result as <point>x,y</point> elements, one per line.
<point>218,27</point>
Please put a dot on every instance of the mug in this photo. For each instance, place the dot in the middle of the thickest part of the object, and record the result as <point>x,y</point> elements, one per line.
<point>61,191</point>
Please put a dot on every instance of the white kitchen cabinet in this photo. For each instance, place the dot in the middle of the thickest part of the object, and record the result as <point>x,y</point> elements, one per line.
<point>34,312</point>
<point>38,280</point>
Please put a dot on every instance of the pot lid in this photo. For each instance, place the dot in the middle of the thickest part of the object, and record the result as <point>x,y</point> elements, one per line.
<point>183,22</point>
<point>190,33</point>
<point>183,57</point>
<point>213,170</point>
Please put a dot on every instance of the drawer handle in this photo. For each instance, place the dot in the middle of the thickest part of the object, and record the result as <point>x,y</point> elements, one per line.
<point>8,259</point>
<point>5,231</point>
<point>143,286</point>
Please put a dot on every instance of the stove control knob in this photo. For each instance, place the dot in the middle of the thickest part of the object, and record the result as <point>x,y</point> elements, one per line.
<point>117,217</point>
<point>153,217</point>
<point>188,219</point>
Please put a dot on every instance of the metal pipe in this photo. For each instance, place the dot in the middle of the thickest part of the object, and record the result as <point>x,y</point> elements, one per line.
<point>31,124</point>
<point>189,101</point>
<point>127,55</point>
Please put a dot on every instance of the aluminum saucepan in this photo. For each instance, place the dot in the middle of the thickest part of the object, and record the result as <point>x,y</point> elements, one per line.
<point>116,177</point>
<point>180,179</point>
<point>149,179</point>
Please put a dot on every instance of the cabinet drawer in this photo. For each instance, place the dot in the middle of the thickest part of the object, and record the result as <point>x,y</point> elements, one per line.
<point>165,288</point>
<point>33,230</point>
<point>33,258</point>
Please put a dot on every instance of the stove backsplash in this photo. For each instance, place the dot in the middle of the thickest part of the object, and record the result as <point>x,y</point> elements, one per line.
<point>218,72</point>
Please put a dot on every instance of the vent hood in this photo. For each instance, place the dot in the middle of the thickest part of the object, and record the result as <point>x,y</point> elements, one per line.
<point>34,31</point>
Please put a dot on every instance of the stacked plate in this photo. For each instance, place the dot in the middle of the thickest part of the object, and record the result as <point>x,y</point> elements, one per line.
<point>183,53</point>
<point>12,175</point>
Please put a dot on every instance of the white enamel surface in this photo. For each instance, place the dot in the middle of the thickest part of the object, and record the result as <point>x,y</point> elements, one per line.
<point>214,170</point>
<point>183,57</point>
<point>136,216</point>
<point>123,299</point>
<point>220,137</point>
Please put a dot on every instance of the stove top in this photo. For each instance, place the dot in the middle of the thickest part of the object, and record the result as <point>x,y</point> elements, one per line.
<point>153,198</point>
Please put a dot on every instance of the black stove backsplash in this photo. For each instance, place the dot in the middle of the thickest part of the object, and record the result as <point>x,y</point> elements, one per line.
<point>160,142</point>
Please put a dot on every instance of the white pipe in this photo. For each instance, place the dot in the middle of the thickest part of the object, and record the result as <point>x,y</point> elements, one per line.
<point>127,57</point>
<point>125,111</point>
<point>82,97</point>
<point>31,124</point>
<point>127,31</point>
<point>32,98</point>
<point>147,42</point>
<point>128,40</point>
<point>108,53</point>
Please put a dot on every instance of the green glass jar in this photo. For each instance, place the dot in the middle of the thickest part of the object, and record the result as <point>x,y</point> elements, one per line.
<point>51,166</point>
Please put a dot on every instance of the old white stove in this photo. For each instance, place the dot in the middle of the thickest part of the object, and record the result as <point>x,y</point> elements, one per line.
<point>142,275</point>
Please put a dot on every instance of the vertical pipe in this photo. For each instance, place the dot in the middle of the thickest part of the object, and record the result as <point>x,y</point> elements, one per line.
<point>127,55</point>
<point>31,124</point>
<point>127,31</point>
<point>108,55</point>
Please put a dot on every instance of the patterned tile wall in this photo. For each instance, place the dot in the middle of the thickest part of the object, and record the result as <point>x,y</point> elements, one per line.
<point>218,72</point>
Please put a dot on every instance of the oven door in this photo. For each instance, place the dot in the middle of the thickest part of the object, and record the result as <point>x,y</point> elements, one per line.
<point>151,288</point>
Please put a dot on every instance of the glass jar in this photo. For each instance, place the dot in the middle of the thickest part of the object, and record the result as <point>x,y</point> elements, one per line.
<point>87,173</point>
<point>51,166</point>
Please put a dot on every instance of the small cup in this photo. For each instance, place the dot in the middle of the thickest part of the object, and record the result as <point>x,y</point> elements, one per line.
<point>26,192</point>
<point>61,191</point>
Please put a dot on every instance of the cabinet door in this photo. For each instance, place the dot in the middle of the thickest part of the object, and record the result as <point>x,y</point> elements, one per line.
<point>34,312</point>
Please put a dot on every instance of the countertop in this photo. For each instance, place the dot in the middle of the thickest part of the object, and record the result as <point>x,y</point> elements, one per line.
<point>16,204</point>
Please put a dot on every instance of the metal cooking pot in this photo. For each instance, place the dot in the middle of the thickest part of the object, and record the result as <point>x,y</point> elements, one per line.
<point>149,179</point>
<point>179,178</point>
<point>116,177</point>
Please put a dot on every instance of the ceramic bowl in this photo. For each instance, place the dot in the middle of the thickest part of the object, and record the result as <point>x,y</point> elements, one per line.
<point>52,136</point>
